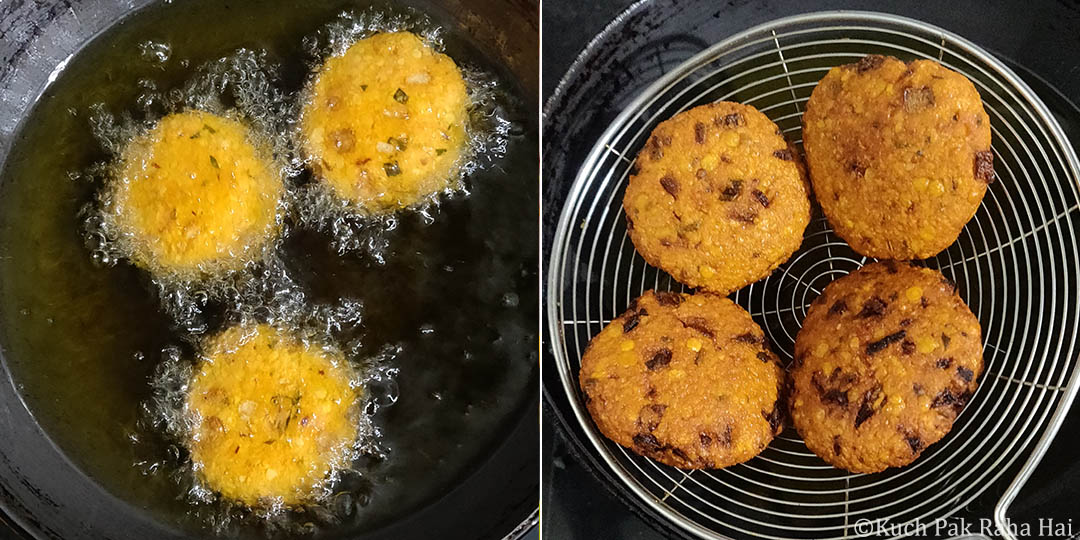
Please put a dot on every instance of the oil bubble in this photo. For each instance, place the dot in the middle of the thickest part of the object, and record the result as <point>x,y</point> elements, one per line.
<point>510,300</point>
<point>155,52</point>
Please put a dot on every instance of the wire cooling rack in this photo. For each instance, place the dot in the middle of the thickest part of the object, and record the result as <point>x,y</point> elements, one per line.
<point>1016,264</point>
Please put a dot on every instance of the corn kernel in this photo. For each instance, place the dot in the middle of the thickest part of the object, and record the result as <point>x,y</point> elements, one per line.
<point>694,344</point>
<point>925,344</point>
<point>706,271</point>
<point>914,294</point>
<point>729,139</point>
<point>627,345</point>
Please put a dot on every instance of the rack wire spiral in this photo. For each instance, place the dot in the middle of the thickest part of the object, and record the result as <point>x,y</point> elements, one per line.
<point>1017,264</point>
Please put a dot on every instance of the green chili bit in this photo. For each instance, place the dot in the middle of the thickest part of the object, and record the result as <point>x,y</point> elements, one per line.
<point>400,96</point>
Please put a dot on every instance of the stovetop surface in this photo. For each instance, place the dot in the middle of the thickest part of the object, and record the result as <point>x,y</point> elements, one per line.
<point>1037,38</point>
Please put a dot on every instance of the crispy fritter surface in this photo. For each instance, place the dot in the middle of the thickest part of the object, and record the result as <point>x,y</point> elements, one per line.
<point>687,380</point>
<point>899,155</point>
<point>886,359</point>
<point>719,198</point>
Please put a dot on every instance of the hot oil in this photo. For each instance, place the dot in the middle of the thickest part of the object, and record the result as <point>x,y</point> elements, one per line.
<point>448,291</point>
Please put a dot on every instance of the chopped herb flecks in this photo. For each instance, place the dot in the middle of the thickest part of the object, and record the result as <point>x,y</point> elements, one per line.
<point>213,161</point>
<point>208,128</point>
<point>392,169</point>
<point>440,151</point>
<point>400,96</point>
<point>363,88</point>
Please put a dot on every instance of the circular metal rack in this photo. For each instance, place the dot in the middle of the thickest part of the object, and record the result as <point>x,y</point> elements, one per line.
<point>1016,264</point>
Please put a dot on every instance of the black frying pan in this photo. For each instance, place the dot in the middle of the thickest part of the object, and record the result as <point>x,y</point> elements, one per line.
<point>46,492</point>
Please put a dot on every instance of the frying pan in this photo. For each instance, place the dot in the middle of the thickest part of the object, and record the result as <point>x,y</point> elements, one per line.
<point>659,57</point>
<point>45,494</point>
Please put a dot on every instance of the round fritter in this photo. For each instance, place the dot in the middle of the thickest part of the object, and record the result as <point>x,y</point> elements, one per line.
<point>718,198</point>
<point>274,415</point>
<point>885,361</point>
<point>384,123</point>
<point>899,155</point>
<point>687,380</point>
<point>194,195</point>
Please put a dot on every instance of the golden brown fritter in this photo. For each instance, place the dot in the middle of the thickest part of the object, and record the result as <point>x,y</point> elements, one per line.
<point>195,195</point>
<point>274,415</point>
<point>384,124</point>
<point>718,198</point>
<point>687,380</point>
<point>899,155</point>
<point>886,359</point>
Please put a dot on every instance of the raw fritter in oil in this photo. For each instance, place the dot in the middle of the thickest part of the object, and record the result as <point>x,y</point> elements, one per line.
<point>384,124</point>
<point>195,195</point>
<point>275,415</point>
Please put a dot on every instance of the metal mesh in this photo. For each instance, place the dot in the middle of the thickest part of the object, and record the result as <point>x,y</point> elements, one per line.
<point>1016,264</point>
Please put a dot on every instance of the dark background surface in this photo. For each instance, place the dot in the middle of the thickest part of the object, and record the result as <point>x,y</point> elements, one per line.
<point>1040,38</point>
<point>574,503</point>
